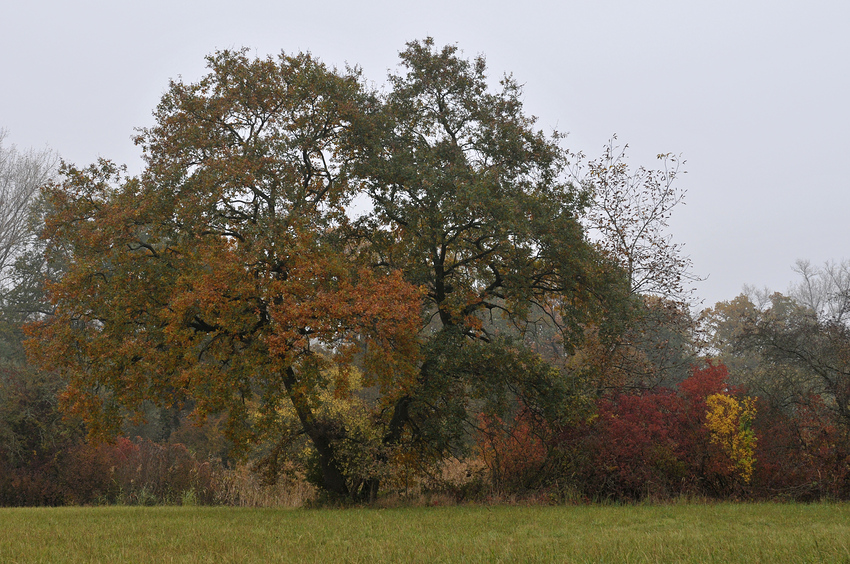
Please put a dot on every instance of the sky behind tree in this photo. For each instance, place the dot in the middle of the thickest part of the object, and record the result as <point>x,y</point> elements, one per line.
<point>753,95</point>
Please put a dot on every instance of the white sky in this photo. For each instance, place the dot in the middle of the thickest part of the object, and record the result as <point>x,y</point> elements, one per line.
<point>754,94</point>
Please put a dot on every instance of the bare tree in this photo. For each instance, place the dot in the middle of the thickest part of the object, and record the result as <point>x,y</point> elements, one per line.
<point>825,290</point>
<point>628,218</point>
<point>21,174</point>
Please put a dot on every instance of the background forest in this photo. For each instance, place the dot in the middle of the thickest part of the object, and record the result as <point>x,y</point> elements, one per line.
<point>316,290</point>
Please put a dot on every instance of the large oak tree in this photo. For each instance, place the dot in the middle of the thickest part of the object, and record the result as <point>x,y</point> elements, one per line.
<point>220,277</point>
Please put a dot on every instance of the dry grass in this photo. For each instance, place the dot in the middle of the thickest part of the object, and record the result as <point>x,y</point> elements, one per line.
<point>239,487</point>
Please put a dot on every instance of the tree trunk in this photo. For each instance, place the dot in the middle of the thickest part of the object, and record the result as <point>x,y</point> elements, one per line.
<point>401,415</point>
<point>321,436</point>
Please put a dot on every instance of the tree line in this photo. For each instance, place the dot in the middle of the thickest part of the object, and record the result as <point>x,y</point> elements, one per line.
<point>362,288</point>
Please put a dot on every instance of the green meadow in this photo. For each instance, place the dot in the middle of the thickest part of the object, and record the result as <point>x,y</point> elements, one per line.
<point>645,533</point>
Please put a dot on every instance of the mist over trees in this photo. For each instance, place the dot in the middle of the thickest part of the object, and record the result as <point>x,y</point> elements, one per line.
<point>502,306</point>
<point>21,175</point>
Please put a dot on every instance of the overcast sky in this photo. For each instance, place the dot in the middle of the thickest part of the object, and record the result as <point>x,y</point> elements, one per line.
<point>754,94</point>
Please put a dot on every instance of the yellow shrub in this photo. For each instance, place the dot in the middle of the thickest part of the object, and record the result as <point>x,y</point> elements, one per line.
<point>730,423</point>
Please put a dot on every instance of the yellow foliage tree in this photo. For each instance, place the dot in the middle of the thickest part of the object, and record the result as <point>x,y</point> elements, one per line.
<point>729,422</point>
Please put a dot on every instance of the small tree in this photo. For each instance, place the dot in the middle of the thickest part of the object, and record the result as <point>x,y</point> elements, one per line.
<point>824,290</point>
<point>628,219</point>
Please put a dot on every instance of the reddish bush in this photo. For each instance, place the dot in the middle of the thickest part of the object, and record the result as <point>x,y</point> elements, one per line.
<point>639,445</point>
<point>804,455</point>
<point>515,452</point>
<point>144,472</point>
<point>29,486</point>
<point>652,443</point>
<point>131,472</point>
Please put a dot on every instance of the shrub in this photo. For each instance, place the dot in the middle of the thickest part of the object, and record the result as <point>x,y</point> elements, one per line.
<point>516,452</point>
<point>662,443</point>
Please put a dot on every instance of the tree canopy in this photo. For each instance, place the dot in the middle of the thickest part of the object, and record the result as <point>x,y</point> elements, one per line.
<point>219,274</point>
<point>473,203</point>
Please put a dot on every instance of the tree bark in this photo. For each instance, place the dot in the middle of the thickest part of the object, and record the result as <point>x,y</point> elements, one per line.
<point>320,434</point>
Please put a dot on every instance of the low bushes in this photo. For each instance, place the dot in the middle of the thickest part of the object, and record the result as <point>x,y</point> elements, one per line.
<point>703,439</point>
<point>141,472</point>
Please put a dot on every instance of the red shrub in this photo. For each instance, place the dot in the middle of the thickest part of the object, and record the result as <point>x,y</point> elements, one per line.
<point>515,452</point>
<point>145,472</point>
<point>804,455</point>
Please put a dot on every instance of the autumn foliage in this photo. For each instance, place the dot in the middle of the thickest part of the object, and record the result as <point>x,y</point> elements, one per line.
<point>657,443</point>
<point>466,315</point>
<point>221,276</point>
<point>703,439</point>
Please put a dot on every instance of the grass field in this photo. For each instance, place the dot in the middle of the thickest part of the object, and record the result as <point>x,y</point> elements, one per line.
<point>767,533</point>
